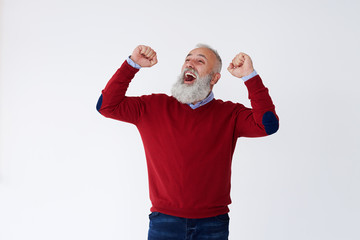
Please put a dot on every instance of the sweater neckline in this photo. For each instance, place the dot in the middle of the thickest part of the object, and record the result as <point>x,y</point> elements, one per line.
<point>199,109</point>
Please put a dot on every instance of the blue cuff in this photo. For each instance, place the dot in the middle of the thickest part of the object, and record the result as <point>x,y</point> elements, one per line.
<point>251,75</point>
<point>132,63</point>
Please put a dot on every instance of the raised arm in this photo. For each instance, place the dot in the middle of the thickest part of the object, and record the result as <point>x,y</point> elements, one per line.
<point>113,103</point>
<point>261,119</point>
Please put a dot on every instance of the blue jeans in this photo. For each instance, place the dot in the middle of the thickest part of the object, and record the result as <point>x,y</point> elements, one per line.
<point>166,227</point>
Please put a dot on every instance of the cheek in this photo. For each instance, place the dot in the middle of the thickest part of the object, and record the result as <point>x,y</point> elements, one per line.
<point>203,72</point>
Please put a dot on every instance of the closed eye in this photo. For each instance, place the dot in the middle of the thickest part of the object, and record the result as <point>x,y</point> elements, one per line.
<point>199,61</point>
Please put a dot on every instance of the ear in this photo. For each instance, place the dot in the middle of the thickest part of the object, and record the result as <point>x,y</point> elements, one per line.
<point>215,79</point>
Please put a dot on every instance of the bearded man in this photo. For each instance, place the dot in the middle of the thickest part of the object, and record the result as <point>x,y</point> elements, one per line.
<point>189,139</point>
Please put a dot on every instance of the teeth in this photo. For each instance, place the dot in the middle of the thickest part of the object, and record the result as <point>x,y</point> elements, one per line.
<point>191,74</point>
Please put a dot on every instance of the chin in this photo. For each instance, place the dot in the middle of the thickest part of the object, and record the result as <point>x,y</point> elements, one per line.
<point>191,91</point>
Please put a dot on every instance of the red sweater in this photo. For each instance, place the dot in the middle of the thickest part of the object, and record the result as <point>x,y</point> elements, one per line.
<point>189,152</point>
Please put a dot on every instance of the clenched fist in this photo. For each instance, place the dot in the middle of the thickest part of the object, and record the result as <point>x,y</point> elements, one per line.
<point>241,65</point>
<point>144,56</point>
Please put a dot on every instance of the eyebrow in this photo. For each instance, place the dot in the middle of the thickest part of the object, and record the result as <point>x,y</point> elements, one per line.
<point>201,55</point>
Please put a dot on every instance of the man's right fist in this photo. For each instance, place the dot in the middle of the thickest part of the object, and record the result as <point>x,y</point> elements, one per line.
<point>144,56</point>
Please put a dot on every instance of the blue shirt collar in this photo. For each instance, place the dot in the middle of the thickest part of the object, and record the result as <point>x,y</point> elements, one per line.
<point>202,102</point>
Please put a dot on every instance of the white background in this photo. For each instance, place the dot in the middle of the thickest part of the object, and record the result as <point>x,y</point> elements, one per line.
<point>66,172</point>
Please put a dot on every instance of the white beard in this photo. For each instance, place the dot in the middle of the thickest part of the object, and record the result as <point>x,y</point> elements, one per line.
<point>191,93</point>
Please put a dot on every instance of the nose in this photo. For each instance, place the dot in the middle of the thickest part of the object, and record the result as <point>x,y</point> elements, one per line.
<point>189,64</point>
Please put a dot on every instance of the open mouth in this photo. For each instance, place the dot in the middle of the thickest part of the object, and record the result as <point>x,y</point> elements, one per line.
<point>189,77</point>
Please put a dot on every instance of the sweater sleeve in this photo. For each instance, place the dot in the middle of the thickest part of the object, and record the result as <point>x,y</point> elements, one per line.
<point>260,120</point>
<point>114,104</point>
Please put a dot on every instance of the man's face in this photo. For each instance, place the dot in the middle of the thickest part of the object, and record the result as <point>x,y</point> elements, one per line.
<point>197,76</point>
<point>198,63</point>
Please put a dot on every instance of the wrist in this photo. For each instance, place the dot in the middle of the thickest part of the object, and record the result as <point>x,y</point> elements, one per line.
<point>249,76</point>
<point>132,63</point>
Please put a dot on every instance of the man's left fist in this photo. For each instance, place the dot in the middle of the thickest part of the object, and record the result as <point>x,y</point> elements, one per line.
<point>241,65</point>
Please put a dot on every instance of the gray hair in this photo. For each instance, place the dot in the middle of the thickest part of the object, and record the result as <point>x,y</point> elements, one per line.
<point>218,64</point>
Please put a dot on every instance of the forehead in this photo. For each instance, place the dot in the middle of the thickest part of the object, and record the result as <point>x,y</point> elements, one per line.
<point>203,52</point>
